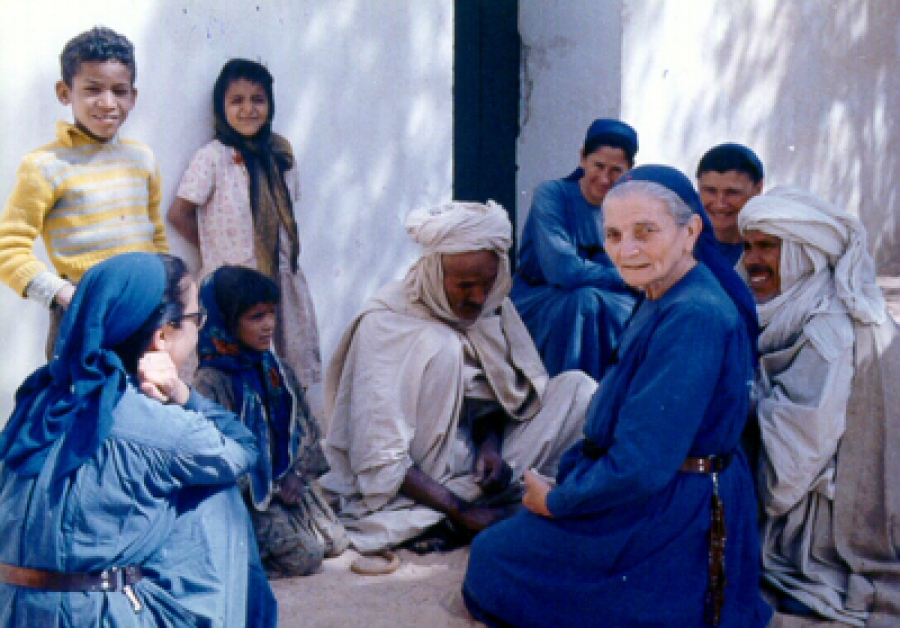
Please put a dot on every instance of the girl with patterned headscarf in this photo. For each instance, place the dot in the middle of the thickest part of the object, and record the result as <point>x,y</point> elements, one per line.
<point>295,527</point>
<point>236,203</point>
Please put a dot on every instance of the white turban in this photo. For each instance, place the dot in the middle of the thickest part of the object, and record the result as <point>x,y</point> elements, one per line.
<point>824,262</point>
<point>456,227</point>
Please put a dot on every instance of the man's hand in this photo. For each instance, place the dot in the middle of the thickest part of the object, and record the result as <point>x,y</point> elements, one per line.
<point>492,474</point>
<point>292,488</point>
<point>536,490</point>
<point>158,379</point>
<point>477,518</point>
<point>421,488</point>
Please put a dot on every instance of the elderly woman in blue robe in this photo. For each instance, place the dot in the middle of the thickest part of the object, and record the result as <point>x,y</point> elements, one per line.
<point>652,521</point>
<point>118,496</point>
<point>567,291</point>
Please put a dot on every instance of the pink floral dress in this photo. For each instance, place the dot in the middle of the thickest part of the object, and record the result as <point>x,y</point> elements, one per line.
<point>218,183</point>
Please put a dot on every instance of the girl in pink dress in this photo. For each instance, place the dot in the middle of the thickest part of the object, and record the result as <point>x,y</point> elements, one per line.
<point>236,203</point>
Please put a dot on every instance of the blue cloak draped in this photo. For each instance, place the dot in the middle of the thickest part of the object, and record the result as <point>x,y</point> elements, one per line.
<point>628,542</point>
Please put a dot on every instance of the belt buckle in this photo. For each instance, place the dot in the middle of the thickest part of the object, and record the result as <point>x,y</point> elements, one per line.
<point>112,579</point>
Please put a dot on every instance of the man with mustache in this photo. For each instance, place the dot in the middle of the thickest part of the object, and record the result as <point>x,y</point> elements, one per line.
<point>828,409</point>
<point>728,176</point>
<point>436,396</point>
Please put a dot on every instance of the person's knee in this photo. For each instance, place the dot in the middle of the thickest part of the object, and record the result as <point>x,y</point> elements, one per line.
<point>295,559</point>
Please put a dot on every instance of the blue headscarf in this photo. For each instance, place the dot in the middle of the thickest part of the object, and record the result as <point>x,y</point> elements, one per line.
<point>607,132</point>
<point>73,397</point>
<point>705,250</point>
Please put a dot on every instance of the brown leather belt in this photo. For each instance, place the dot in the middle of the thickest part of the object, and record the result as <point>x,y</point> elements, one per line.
<point>112,579</point>
<point>707,464</point>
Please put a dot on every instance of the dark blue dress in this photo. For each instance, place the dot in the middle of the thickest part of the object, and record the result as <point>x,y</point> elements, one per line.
<point>628,544</point>
<point>566,289</point>
<point>731,252</point>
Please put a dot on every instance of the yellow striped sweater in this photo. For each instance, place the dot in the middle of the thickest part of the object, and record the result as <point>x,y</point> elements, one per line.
<point>88,200</point>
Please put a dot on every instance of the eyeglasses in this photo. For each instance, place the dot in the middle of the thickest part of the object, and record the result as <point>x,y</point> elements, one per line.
<point>199,317</point>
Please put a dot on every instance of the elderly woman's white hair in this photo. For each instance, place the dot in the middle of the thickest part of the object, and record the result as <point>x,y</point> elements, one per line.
<point>450,228</point>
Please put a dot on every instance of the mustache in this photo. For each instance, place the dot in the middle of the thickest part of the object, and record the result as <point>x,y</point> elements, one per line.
<point>758,268</point>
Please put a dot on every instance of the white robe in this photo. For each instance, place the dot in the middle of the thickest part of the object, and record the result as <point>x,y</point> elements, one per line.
<point>829,415</point>
<point>395,392</point>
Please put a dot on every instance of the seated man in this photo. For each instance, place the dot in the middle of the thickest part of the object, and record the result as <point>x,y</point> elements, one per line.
<point>566,289</point>
<point>828,407</point>
<point>728,176</point>
<point>436,396</point>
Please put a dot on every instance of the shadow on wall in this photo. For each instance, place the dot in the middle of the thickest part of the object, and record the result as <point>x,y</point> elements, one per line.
<point>363,94</point>
<point>811,85</point>
<point>362,90</point>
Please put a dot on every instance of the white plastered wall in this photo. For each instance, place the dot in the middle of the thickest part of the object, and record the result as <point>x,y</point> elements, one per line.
<point>363,90</point>
<point>571,74</point>
<point>812,86</point>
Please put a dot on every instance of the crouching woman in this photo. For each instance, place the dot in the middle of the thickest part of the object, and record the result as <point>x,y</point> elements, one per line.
<point>118,496</point>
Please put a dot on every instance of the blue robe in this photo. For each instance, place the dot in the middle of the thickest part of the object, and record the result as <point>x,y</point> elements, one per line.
<point>731,252</point>
<point>570,296</point>
<point>159,492</point>
<point>628,543</point>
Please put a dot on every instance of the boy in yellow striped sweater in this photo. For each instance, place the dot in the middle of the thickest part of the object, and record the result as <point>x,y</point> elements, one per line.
<point>89,194</point>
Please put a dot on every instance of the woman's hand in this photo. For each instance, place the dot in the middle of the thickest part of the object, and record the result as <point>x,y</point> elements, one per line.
<point>292,487</point>
<point>158,379</point>
<point>536,490</point>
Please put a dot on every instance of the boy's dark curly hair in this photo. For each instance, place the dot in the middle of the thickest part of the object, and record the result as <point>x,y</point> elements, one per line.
<point>98,44</point>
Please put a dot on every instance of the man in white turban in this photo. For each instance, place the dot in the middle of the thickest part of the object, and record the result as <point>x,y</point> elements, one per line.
<point>436,396</point>
<point>828,405</point>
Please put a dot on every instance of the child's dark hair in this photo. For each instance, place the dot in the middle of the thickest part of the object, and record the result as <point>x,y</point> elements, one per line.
<point>170,310</point>
<point>238,289</point>
<point>727,157</point>
<point>98,44</point>
<point>238,69</point>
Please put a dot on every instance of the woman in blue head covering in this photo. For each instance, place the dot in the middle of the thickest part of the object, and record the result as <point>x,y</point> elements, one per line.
<point>652,521</point>
<point>566,289</point>
<point>295,527</point>
<point>118,502</point>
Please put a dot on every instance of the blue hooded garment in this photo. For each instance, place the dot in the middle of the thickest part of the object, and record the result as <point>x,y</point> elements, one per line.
<point>95,474</point>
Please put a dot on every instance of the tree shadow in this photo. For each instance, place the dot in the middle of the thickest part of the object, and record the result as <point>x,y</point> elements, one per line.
<point>363,91</point>
<point>808,85</point>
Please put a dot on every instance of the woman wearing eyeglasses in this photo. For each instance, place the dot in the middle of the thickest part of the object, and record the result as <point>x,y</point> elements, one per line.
<point>118,496</point>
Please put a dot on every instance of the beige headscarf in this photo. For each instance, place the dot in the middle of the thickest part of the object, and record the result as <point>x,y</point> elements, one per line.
<point>825,266</point>
<point>501,342</point>
<point>456,227</point>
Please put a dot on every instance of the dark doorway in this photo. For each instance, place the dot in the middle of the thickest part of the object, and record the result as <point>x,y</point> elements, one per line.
<point>486,101</point>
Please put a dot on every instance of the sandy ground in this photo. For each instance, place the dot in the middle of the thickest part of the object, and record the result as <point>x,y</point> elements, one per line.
<point>425,591</point>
